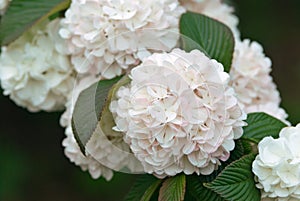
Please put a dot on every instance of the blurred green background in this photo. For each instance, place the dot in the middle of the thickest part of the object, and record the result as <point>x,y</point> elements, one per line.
<point>33,166</point>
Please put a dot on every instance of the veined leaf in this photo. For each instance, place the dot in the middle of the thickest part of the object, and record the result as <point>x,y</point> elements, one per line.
<point>236,181</point>
<point>143,188</point>
<point>209,36</point>
<point>173,189</point>
<point>199,192</point>
<point>88,109</point>
<point>195,185</point>
<point>150,191</point>
<point>22,14</point>
<point>261,125</point>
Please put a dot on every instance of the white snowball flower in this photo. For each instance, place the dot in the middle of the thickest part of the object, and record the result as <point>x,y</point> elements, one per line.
<point>277,166</point>
<point>72,150</point>
<point>3,5</point>
<point>33,73</point>
<point>178,114</point>
<point>215,9</point>
<point>251,79</point>
<point>108,36</point>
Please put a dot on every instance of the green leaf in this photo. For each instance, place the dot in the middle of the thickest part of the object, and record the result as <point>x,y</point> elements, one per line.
<point>87,110</point>
<point>195,183</point>
<point>236,181</point>
<point>195,188</point>
<point>23,14</point>
<point>143,188</point>
<point>173,189</point>
<point>150,191</point>
<point>209,36</point>
<point>261,125</point>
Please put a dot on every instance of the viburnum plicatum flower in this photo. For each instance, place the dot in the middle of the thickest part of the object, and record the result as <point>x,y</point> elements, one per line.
<point>215,9</point>
<point>3,6</point>
<point>178,114</point>
<point>34,73</point>
<point>72,150</point>
<point>251,79</point>
<point>277,166</point>
<point>108,36</point>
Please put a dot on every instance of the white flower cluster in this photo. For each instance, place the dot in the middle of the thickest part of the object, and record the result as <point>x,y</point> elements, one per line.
<point>33,73</point>
<point>178,114</point>
<point>251,79</point>
<point>216,10</point>
<point>3,5</point>
<point>277,166</point>
<point>108,36</point>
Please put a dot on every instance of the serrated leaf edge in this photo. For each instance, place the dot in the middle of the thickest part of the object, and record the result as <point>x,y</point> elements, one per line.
<point>208,185</point>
